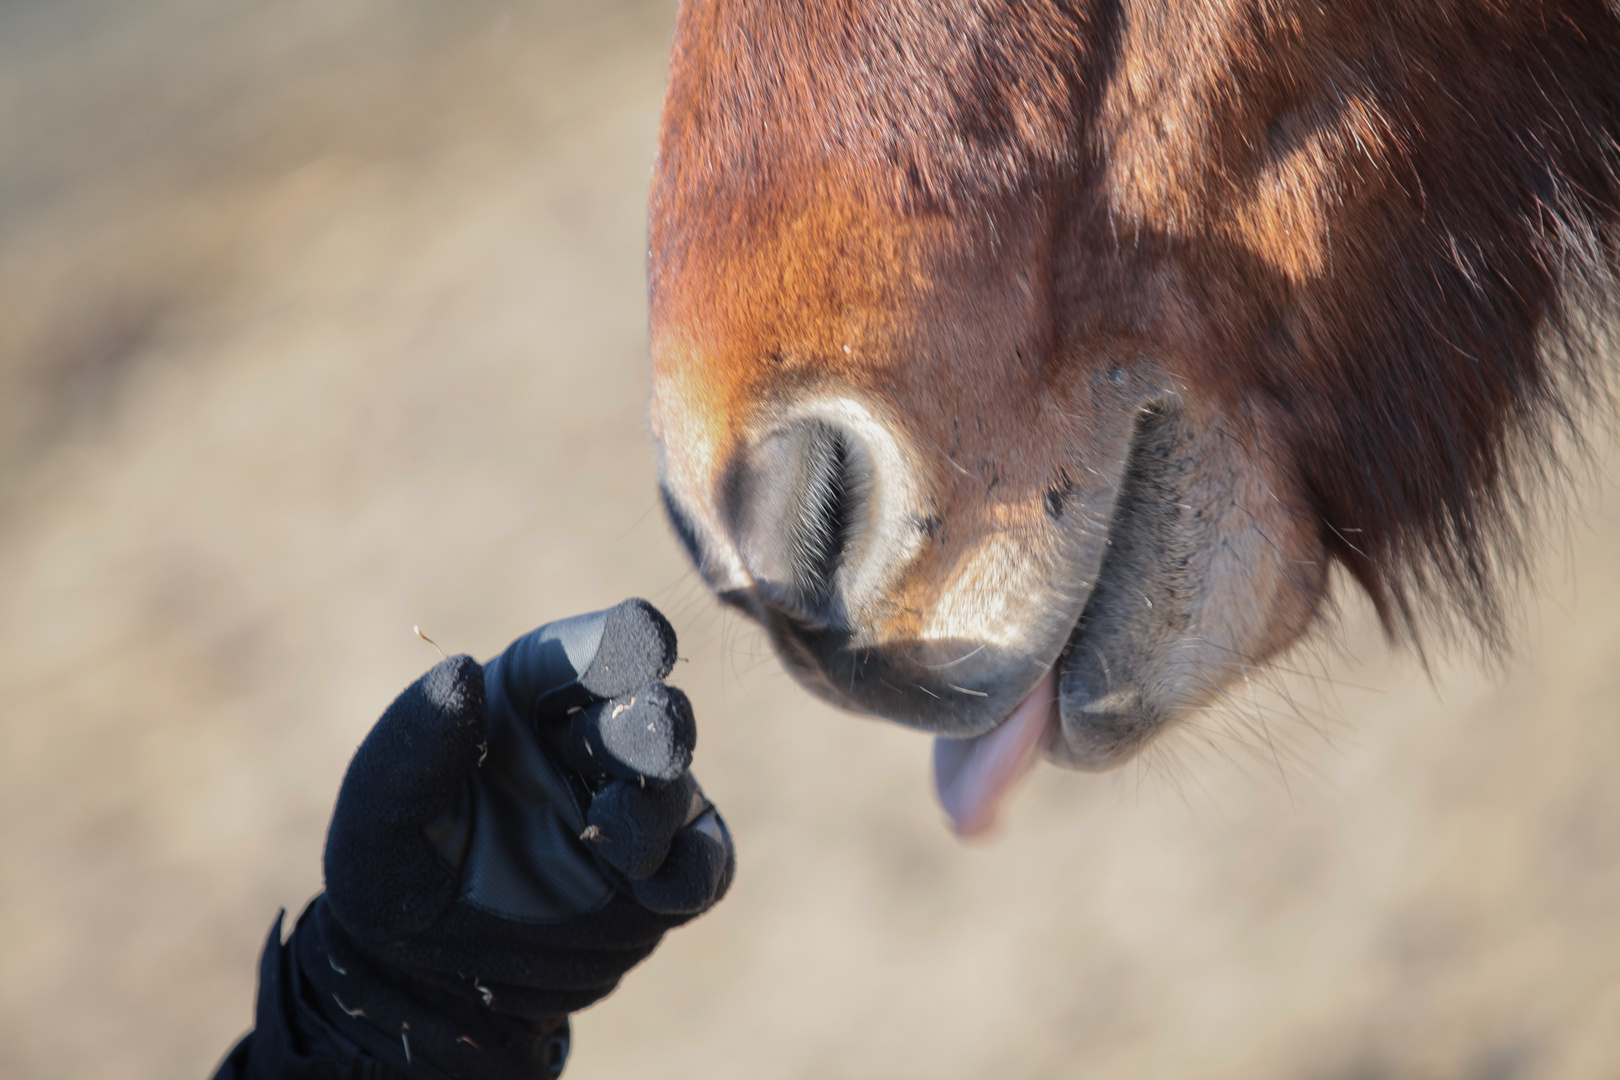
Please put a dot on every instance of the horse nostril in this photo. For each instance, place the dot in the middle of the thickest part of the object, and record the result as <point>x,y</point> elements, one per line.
<point>822,532</point>
<point>796,506</point>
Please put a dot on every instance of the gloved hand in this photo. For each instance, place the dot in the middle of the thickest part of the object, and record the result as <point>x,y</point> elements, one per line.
<point>510,840</point>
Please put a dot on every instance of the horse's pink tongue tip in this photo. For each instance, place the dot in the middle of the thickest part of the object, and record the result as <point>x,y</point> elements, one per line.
<point>973,776</point>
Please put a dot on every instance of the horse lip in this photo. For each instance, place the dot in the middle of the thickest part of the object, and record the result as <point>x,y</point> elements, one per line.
<point>1107,672</point>
<point>958,708</point>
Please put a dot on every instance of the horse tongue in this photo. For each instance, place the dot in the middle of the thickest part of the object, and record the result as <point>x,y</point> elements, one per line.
<point>972,776</point>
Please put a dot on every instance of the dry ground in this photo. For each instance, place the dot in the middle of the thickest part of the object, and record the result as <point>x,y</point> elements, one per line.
<point>320,320</point>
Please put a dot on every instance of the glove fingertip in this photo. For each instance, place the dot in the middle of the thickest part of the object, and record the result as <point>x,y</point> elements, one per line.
<point>452,693</point>
<point>638,647</point>
<point>635,824</point>
<point>697,872</point>
<point>455,686</point>
<point>425,737</point>
<point>648,736</point>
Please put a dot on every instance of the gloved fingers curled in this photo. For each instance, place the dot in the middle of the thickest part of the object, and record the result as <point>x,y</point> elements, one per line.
<point>509,840</point>
<point>697,871</point>
<point>410,770</point>
<point>630,827</point>
<point>646,737</point>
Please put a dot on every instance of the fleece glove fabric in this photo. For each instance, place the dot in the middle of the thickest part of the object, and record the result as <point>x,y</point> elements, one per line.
<point>509,840</point>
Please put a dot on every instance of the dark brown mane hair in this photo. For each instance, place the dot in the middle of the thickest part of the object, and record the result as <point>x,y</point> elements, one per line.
<point>1398,219</point>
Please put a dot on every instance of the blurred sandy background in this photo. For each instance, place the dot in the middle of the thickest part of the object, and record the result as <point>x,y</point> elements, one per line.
<point>319,320</point>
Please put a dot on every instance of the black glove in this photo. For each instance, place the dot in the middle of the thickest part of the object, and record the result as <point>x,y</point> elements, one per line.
<point>508,842</point>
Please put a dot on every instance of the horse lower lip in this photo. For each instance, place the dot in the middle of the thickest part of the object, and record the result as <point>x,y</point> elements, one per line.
<point>973,776</point>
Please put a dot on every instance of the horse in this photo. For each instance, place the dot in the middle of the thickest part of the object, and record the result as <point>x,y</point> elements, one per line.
<point>1026,367</point>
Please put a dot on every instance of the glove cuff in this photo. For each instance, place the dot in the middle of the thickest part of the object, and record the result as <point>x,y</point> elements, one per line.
<point>406,1022</point>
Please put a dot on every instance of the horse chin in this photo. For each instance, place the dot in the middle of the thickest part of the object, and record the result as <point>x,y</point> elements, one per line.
<point>1099,728</point>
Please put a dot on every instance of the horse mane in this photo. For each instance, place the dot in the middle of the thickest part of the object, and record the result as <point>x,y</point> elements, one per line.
<point>1399,221</point>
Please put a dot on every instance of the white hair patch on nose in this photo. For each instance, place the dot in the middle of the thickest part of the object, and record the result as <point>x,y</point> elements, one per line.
<point>992,594</point>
